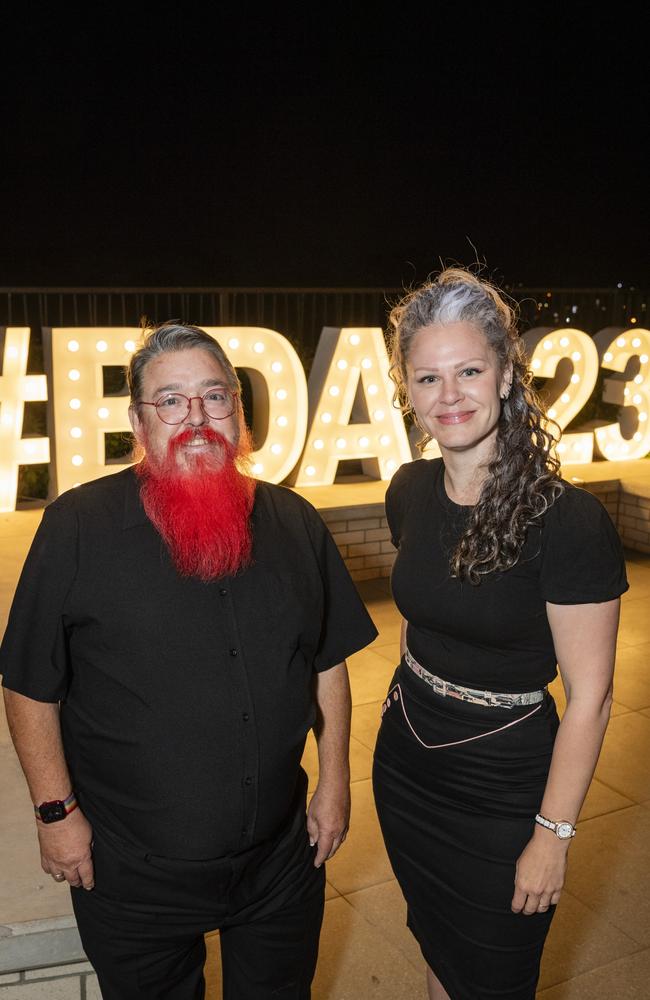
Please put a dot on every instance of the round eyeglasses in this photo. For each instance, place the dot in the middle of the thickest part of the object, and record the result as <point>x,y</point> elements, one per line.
<point>173,408</point>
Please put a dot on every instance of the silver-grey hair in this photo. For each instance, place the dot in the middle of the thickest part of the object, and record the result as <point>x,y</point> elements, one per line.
<point>456,296</point>
<point>169,337</point>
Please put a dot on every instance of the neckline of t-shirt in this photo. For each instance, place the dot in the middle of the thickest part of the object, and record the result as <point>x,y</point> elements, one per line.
<point>444,497</point>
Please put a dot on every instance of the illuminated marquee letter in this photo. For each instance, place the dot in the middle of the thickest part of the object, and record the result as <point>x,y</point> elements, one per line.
<point>349,379</point>
<point>82,414</point>
<point>16,389</point>
<point>279,393</point>
<point>630,436</point>
<point>551,351</point>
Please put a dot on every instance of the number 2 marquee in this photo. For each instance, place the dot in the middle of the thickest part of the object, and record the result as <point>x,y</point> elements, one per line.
<point>305,429</point>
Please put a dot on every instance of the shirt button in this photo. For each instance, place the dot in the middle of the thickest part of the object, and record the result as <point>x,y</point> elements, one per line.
<point>245,716</point>
<point>233,652</point>
<point>222,592</point>
<point>248,781</point>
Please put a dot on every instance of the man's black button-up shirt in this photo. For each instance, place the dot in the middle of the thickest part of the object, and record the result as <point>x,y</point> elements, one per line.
<point>184,705</point>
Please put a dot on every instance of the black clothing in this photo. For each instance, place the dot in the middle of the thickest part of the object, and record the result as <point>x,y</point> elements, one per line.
<point>494,636</point>
<point>185,705</point>
<point>455,818</point>
<point>267,904</point>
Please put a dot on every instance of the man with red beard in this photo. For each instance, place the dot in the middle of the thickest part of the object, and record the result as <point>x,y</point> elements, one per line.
<point>177,630</point>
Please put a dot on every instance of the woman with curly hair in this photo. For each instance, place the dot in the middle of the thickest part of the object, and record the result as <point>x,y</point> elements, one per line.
<point>503,572</point>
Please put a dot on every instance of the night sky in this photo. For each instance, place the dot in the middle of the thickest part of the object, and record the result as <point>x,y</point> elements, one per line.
<point>327,148</point>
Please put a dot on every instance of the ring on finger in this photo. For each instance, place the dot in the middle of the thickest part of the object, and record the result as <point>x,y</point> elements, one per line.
<point>59,877</point>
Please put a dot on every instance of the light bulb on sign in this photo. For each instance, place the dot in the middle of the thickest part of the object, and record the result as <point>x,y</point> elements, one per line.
<point>16,389</point>
<point>279,394</point>
<point>73,346</point>
<point>564,401</point>
<point>619,441</point>
<point>88,410</point>
<point>358,362</point>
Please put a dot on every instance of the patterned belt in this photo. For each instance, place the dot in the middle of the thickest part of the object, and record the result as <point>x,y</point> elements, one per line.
<point>492,698</point>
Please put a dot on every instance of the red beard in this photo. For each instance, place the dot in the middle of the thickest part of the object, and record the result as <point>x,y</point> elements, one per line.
<point>203,514</point>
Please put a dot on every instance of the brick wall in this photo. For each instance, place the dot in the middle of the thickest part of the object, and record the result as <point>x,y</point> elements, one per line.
<point>362,538</point>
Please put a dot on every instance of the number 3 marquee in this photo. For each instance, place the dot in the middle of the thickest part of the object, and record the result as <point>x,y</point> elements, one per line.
<point>570,360</point>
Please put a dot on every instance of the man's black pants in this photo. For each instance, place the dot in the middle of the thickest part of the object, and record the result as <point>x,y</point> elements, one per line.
<point>142,926</point>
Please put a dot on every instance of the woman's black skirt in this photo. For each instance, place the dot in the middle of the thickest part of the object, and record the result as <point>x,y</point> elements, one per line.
<point>455,819</point>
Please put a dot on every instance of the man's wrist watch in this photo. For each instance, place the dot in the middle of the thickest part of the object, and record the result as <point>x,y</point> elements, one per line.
<point>52,812</point>
<point>563,830</point>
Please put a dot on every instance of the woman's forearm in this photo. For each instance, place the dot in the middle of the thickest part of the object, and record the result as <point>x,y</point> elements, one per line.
<point>575,755</point>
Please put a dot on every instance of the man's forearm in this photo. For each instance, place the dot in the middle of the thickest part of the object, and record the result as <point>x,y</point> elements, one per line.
<point>332,729</point>
<point>36,733</point>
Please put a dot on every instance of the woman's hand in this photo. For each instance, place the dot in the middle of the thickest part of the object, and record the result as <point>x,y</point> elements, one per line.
<point>540,873</point>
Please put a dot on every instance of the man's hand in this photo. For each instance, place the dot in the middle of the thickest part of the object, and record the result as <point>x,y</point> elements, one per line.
<point>66,849</point>
<point>328,818</point>
<point>540,873</point>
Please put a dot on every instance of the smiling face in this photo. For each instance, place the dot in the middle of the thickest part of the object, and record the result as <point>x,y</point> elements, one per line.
<point>454,385</point>
<point>191,372</point>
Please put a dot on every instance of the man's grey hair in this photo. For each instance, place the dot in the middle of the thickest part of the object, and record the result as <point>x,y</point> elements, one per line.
<point>169,337</point>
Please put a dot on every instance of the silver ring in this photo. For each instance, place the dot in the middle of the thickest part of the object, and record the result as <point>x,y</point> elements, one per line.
<point>59,878</point>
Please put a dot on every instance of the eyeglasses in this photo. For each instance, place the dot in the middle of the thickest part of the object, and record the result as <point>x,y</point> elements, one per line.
<point>173,408</point>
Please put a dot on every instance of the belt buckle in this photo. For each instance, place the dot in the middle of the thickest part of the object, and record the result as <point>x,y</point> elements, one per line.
<point>502,701</point>
<point>440,686</point>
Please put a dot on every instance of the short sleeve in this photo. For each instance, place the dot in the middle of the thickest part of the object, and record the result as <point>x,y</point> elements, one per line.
<point>582,555</point>
<point>33,655</point>
<point>395,502</point>
<point>346,625</point>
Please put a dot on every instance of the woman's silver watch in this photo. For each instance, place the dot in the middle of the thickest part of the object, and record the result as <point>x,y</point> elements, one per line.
<point>562,829</point>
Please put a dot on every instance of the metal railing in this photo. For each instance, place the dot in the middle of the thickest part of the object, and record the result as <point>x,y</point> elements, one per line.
<point>297,313</point>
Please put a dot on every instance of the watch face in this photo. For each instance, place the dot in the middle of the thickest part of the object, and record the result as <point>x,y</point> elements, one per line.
<point>564,831</point>
<point>52,811</point>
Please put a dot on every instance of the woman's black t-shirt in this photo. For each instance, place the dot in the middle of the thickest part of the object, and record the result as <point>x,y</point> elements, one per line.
<point>494,636</point>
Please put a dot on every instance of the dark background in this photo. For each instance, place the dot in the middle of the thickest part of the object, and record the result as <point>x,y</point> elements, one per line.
<point>322,146</point>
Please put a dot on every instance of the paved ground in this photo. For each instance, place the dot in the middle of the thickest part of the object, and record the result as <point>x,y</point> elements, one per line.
<point>600,942</point>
